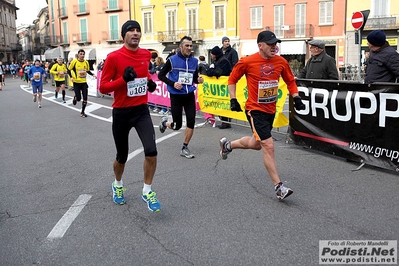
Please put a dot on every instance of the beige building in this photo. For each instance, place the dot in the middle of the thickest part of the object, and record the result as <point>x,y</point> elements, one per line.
<point>9,45</point>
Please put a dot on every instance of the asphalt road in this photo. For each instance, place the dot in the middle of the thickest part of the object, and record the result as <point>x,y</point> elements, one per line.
<point>56,206</point>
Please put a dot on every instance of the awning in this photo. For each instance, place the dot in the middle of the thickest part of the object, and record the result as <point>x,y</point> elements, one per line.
<point>169,48</point>
<point>90,54</point>
<point>293,47</point>
<point>249,48</point>
<point>209,46</point>
<point>52,53</point>
<point>103,52</point>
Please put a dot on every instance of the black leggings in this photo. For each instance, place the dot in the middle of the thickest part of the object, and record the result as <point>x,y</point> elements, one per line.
<point>178,101</point>
<point>80,89</point>
<point>123,121</point>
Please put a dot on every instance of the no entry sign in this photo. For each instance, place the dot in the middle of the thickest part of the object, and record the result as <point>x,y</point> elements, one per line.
<point>357,20</point>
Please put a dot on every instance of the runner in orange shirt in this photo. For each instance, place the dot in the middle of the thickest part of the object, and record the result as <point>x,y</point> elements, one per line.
<point>262,70</point>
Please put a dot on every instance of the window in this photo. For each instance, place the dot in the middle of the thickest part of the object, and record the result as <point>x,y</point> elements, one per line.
<point>63,12</point>
<point>219,17</point>
<point>192,19</point>
<point>82,6</point>
<point>52,10</point>
<point>112,4</point>
<point>279,20</point>
<point>380,8</point>
<point>83,30</point>
<point>326,13</point>
<point>256,17</point>
<point>300,20</point>
<point>171,20</point>
<point>113,27</point>
<point>53,37</point>
<point>147,22</point>
<point>65,30</point>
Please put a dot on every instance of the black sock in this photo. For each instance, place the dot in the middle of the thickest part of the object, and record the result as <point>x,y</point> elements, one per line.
<point>84,106</point>
<point>63,95</point>
<point>184,146</point>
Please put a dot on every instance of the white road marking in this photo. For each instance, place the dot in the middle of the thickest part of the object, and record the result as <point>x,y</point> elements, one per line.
<point>63,224</point>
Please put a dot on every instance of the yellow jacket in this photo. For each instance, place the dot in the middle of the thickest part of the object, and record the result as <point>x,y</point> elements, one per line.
<point>79,70</point>
<point>59,72</point>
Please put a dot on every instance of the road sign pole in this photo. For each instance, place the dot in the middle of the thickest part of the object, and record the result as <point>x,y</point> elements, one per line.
<point>360,53</point>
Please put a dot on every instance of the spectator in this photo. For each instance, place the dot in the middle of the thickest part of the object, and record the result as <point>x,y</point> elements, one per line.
<point>320,65</point>
<point>383,64</point>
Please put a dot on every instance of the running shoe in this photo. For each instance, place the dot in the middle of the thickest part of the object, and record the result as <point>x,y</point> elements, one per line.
<point>117,194</point>
<point>163,127</point>
<point>152,202</point>
<point>185,152</point>
<point>282,191</point>
<point>74,101</point>
<point>39,106</point>
<point>34,98</point>
<point>63,101</point>
<point>83,115</point>
<point>223,149</point>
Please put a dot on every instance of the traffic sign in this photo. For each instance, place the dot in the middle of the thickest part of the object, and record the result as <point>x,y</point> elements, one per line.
<point>357,20</point>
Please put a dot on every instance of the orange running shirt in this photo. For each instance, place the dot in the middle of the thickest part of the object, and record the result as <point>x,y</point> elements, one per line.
<point>262,80</point>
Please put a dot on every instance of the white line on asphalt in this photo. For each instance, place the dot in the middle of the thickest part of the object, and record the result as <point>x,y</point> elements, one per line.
<point>63,224</point>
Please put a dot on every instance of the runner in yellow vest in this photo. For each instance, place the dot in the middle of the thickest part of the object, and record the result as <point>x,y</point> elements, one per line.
<point>79,69</point>
<point>59,70</point>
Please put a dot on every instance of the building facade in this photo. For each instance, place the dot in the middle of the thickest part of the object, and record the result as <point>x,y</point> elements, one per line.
<point>9,45</point>
<point>295,23</point>
<point>384,15</point>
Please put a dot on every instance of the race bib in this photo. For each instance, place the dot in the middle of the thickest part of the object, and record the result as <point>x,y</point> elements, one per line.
<point>267,91</point>
<point>36,76</point>
<point>186,78</point>
<point>137,87</point>
<point>62,74</point>
<point>82,73</point>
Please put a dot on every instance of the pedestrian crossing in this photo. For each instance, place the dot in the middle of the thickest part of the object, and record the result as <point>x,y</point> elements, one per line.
<point>91,108</point>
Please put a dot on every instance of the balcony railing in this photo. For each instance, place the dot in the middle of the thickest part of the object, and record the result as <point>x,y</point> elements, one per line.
<point>62,12</point>
<point>81,38</point>
<point>82,9</point>
<point>382,23</point>
<point>292,31</point>
<point>112,5</point>
<point>175,36</point>
<point>111,36</point>
<point>56,40</point>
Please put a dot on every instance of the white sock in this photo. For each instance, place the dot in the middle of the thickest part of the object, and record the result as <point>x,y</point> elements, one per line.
<point>146,189</point>
<point>118,183</point>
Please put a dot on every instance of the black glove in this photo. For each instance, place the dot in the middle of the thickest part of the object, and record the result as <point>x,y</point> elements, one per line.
<point>298,104</point>
<point>151,85</point>
<point>129,74</point>
<point>234,105</point>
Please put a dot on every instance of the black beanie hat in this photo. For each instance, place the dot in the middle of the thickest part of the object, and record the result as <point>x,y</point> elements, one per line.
<point>128,25</point>
<point>377,38</point>
<point>216,51</point>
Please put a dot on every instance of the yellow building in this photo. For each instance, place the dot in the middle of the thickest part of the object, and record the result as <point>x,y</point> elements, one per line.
<point>206,22</point>
<point>384,15</point>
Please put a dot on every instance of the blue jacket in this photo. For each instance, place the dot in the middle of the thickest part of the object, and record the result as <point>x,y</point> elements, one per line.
<point>33,69</point>
<point>383,65</point>
<point>182,65</point>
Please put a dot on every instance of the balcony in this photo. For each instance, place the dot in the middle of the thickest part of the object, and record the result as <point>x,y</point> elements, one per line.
<point>112,6</point>
<point>80,10</point>
<point>16,47</point>
<point>293,31</point>
<point>111,36</point>
<point>83,38</point>
<point>56,40</point>
<point>382,23</point>
<point>175,36</point>
<point>62,13</point>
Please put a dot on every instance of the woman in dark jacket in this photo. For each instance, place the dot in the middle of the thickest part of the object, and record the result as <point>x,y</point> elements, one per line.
<point>220,65</point>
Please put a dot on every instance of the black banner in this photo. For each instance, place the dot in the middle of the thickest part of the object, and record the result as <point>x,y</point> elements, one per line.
<point>355,121</point>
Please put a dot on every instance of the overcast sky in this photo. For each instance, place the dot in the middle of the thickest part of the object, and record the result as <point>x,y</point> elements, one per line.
<point>28,10</point>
